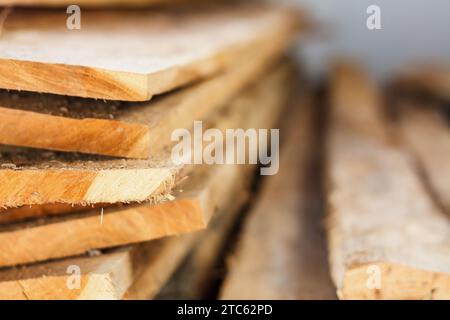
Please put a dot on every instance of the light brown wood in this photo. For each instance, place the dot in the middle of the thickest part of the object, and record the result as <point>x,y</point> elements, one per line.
<point>110,275</point>
<point>132,130</point>
<point>91,3</point>
<point>137,271</point>
<point>430,79</point>
<point>427,134</point>
<point>36,177</point>
<point>281,252</point>
<point>196,275</point>
<point>387,238</point>
<point>133,55</point>
<point>136,223</point>
<point>156,275</point>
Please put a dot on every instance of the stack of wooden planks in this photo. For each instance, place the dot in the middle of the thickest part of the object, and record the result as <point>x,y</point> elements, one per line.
<point>93,206</point>
<point>388,236</point>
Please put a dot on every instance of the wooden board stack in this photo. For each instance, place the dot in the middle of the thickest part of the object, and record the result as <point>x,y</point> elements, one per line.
<point>88,185</point>
<point>388,238</point>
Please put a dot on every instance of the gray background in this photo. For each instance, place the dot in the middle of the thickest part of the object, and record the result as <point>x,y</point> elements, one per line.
<point>412,30</point>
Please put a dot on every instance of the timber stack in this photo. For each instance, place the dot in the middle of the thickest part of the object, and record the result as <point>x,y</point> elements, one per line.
<point>122,176</point>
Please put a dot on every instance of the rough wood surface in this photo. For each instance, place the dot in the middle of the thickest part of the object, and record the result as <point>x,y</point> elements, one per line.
<point>35,177</point>
<point>91,3</point>
<point>135,223</point>
<point>281,252</point>
<point>133,55</point>
<point>427,133</point>
<point>136,271</point>
<point>156,275</point>
<point>387,238</point>
<point>132,130</point>
<point>109,276</point>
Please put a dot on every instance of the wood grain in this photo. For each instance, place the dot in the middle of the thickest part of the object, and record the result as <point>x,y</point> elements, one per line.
<point>382,222</point>
<point>135,272</point>
<point>132,55</point>
<point>132,130</point>
<point>109,276</point>
<point>189,211</point>
<point>92,3</point>
<point>281,251</point>
<point>427,134</point>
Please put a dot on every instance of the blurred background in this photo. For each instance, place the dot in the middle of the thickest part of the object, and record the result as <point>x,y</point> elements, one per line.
<point>412,31</point>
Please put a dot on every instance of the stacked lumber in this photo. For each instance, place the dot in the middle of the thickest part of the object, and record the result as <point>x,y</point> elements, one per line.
<point>92,204</point>
<point>387,237</point>
<point>286,223</point>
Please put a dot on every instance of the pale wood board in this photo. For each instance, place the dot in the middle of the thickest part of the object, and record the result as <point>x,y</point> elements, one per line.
<point>426,133</point>
<point>133,55</point>
<point>281,253</point>
<point>132,130</point>
<point>122,271</point>
<point>36,177</point>
<point>92,3</point>
<point>135,223</point>
<point>382,224</point>
<point>109,276</point>
<point>33,177</point>
<point>156,275</point>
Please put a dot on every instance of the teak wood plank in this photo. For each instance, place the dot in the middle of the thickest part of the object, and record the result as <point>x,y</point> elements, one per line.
<point>133,55</point>
<point>281,253</point>
<point>387,238</point>
<point>132,130</point>
<point>75,234</point>
<point>426,133</point>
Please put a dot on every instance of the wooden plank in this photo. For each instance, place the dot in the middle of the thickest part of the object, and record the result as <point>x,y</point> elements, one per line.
<point>387,238</point>
<point>137,223</point>
<point>110,275</point>
<point>133,55</point>
<point>132,130</point>
<point>281,253</point>
<point>121,271</point>
<point>426,132</point>
<point>428,79</point>
<point>156,275</point>
<point>36,177</point>
<point>90,3</point>
<point>195,276</point>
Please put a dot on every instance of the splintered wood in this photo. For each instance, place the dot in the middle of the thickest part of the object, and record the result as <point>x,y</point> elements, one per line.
<point>256,107</point>
<point>133,55</point>
<point>132,130</point>
<point>286,223</point>
<point>133,272</point>
<point>387,238</point>
<point>37,177</point>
